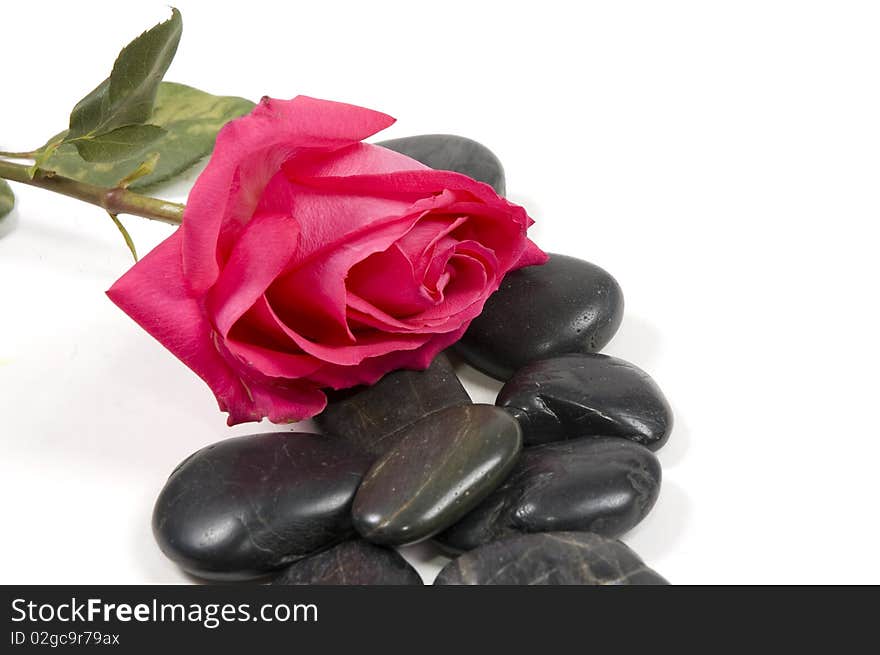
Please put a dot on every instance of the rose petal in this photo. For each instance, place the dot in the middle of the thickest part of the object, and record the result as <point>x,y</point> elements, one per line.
<point>493,228</point>
<point>350,354</point>
<point>369,371</point>
<point>154,294</point>
<point>531,256</point>
<point>288,404</point>
<point>249,151</point>
<point>352,160</point>
<point>472,280</point>
<point>366,314</point>
<point>316,278</point>
<point>410,184</point>
<point>318,285</point>
<point>273,363</point>
<point>260,255</point>
<point>421,241</point>
<point>332,215</point>
<point>387,280</point>
<point>464,296</point>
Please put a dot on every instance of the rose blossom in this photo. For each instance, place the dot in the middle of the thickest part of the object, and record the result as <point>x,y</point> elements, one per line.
<point>307,260</point>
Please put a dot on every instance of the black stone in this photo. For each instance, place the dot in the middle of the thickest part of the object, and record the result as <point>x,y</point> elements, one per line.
<point>550,558</point>
<point>448,152</point>
<point>243,507</point>
<point>564,306</point>
<point>587,396</point>
<point>371,417</point>
<point>438,470</point>
<point>605,486</point>
<point>351,563</point>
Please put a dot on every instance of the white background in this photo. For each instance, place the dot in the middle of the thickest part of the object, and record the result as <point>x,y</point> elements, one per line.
<point>721,159</point>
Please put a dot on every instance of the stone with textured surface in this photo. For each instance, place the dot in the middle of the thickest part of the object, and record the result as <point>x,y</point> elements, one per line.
<point>564,306</point>
<point>371,417</point>
<point>244,507</point>
<point>351,563</point>
<point>435,472</point>
<point>448,152</point>
<point>605,486</point>
<point>550,558</point>
<point>591,395</point>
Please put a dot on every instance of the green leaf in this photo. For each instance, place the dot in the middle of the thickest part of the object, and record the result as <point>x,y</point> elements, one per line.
<point>128,95</point>
<point>121,143</point>
<point>90,112</point>
<point>7,200</point>
<point>191,120</point>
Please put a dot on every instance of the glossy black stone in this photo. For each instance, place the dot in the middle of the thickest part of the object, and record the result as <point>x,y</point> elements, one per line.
<point>448,152</point>
<point>371,417</point>
<point>564,306</point>
<point>439,469</point>
<point>604,486</point>
<point>355,562</point>
<point>243,507</point>
<point>550,558</point>
<point>587,396</point>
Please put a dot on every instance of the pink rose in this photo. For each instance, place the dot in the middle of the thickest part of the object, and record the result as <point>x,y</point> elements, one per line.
<point>309,260</point>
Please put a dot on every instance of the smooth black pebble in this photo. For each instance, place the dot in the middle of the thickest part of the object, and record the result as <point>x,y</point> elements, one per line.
<point>438,470</point>
<point>604,486</point>
<point>564,306</point>
<point>448,152</point>
<point>593,395</point>
<point>371,417</point>
<point>550,558</point>
<point>351,563</point>
<point>243,507</point>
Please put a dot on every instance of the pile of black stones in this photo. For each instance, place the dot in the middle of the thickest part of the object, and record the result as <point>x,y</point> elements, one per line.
<point>535,489</point>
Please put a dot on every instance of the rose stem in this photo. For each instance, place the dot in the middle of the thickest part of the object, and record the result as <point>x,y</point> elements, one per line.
<point>19,155</point>
<point>115,201</point>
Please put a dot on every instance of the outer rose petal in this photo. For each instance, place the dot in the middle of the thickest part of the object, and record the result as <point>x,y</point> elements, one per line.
<point>407,184</point>
<point>154,294</point>
<point>247,153</point>
<point>329,215</point>
<point>370,371</point>
<point>353,160</point>
<point>261,254</point>
<point>531,256</point>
